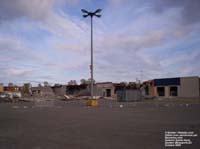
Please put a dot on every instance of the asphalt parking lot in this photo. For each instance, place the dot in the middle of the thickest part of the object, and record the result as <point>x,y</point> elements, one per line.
<point>112,125</point>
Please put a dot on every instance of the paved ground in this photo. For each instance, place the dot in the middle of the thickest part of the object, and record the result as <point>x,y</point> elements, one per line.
<point>72,125</point>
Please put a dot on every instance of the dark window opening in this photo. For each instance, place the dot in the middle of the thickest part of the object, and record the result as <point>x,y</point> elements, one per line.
<point>146,90</point>
<point>108,92</point>
<point>161,91</point>
<point>173,91</point>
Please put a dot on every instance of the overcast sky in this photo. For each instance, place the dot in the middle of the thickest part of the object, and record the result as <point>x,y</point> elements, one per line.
<point>48,40</point>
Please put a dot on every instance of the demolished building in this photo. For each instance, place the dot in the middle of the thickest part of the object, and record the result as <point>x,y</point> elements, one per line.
<point>105,89</point>
<point>59,90</point>
<point>42,91</point>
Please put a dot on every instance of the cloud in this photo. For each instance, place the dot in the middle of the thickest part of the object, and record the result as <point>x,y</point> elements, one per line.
<point>124,55</point>
<point>189,9</point>
<point>37,9</point>
<point>116,2</point>
<point>50,40</point>
<point>138,41</point>
<point>60,24</point>
<point>16,74</point>
<point>15,50</point>
<point>10,44</point>
<point>134,42</point>
<point>18,71</point>
<point>181,57</point>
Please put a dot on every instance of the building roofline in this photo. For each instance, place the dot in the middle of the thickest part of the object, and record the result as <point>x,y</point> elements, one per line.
<point>104,83</point>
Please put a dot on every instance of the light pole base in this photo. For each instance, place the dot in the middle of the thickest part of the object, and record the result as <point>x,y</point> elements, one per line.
<point>92,102</point>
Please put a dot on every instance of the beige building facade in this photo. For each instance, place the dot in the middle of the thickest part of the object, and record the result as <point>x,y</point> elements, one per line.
<point>190,87</point>
<point>1,88</point>
<point>105,89</point>
<point>174,87</point>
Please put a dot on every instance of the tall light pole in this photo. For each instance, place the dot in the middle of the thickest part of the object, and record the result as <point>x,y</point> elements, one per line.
<point>85,15</point>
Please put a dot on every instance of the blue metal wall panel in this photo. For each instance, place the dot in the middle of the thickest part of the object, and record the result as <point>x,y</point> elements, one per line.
<point>121,95</point>
<point>166,81</point>
<point>126,95</point>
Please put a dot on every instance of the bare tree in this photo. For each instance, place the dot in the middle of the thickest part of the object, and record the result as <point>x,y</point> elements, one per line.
<point>45,83</point>
<point>72,82</point>
<point>10,84</point>
<point>84,81</point>
<point>88,81</point>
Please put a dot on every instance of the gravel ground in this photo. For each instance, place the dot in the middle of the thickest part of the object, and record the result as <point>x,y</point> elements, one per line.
<point>112,125</point>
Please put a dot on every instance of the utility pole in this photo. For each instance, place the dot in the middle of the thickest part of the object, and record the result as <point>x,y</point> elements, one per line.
<point>92,77</point>
<point>91,14</point>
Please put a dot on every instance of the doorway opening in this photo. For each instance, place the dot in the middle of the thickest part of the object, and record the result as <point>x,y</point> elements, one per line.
<point>108,92</point>
<point>161,91</point>
<point>173,91</point>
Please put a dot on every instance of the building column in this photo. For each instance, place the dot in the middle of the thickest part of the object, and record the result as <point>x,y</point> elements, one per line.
<point>167,91</point>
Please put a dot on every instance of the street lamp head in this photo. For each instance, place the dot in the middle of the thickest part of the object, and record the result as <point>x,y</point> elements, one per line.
<point>85,15</point>
<point>91,14</point>
<point>84,11</point>
<point>97,15</point>
<point>97,11</point>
